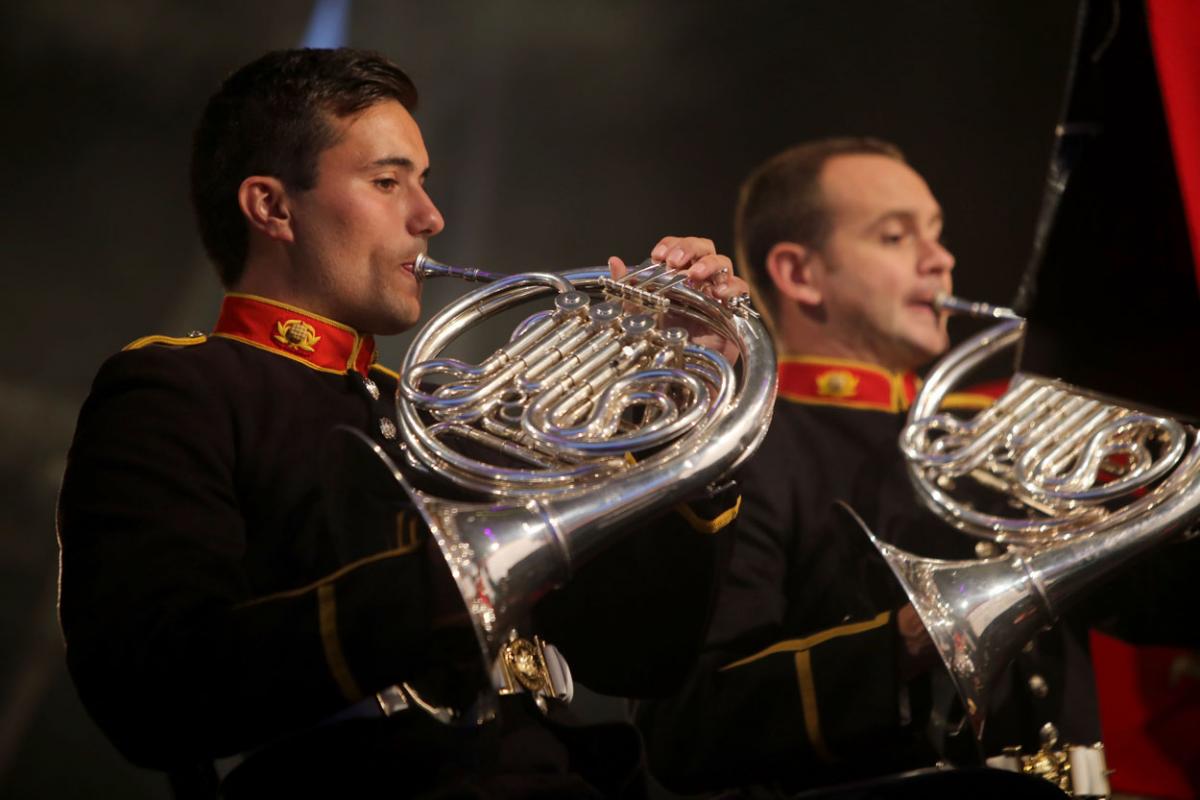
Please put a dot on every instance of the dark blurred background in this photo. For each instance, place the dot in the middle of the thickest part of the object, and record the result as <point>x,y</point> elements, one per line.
<point>560,133</point>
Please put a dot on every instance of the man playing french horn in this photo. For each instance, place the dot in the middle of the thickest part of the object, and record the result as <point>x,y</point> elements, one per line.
<point>210,607</point>
<point>817,668</point>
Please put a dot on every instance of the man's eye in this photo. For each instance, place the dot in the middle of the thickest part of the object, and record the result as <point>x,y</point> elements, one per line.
<point>891,238</point>
<point>387,184</point>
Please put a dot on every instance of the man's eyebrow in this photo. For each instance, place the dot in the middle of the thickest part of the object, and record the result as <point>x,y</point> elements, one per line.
<point>392,161</point>
<point>402,162</point>
<point>905,215</point>
<point>397,161</point>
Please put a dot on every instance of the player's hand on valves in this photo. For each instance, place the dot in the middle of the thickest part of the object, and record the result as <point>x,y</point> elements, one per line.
<point>708,272</point>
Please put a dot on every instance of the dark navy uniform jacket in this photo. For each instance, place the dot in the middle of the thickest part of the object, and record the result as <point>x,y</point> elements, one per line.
<point>798,684</point>
<point>208,610</point>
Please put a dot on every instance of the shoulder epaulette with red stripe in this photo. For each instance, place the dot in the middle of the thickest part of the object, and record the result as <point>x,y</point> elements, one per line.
<point>294,333</point>
<point>840,382</point>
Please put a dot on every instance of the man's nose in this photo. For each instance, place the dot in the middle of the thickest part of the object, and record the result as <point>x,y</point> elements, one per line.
<point>425,219</point>
<point>935,257</point>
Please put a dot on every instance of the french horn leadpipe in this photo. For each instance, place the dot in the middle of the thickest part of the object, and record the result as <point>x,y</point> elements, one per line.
<point>425,267</point>
<point>1095,485</point>
<point>957,305</point>
<point>603,411</point>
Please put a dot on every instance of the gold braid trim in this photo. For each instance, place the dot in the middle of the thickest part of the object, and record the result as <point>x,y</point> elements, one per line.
<point>180,341</point>
<point>808,706</point>
<point>809,642</point>
<point>328,579</point>
<point>331,643</point>
<point>701,525</point>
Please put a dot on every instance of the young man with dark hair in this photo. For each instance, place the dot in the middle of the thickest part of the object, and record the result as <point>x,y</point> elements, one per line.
<point>817,669</point>
<point>275,117</point>
<point>210,607</point>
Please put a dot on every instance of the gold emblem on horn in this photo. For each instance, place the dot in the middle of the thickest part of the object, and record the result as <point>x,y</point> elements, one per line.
<point>525,663</point>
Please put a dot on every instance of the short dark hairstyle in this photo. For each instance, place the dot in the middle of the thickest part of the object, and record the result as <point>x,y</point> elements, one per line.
<point>273,117</point>
<point>781,201</point>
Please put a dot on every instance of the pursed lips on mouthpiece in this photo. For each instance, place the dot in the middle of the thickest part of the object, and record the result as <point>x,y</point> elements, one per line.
<point>925,302</point>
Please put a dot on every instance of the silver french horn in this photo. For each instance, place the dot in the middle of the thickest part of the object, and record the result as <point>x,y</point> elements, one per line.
<point>1090,484</point>
<point>592,417</point>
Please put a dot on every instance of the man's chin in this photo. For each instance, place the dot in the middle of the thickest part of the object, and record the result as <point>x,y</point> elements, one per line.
<point>396,321</point>
<point>923,352</point>
<point>399,325</point>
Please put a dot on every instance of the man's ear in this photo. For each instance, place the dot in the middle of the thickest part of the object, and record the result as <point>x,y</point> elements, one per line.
<point>266,207</point>
<point>790,266</point>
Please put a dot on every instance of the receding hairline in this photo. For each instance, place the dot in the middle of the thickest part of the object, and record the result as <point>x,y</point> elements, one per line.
<point>827,198</point>
<point>782,200</point>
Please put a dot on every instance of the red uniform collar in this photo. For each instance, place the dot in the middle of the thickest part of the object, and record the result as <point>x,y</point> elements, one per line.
<point>838,382</point>
<point>294,333</point>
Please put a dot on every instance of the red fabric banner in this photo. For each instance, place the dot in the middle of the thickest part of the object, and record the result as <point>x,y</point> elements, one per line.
<point>1175,39</point>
